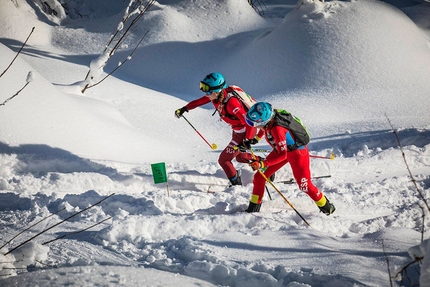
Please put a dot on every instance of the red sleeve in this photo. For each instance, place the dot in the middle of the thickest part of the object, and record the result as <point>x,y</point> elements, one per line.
<point>197,103</point>
<point>250,132</point>
<point>280,151</point>
<point>260,133</point>
<point>235,107</point>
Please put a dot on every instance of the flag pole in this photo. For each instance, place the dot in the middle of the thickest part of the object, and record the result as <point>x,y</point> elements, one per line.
<point>167,186</point>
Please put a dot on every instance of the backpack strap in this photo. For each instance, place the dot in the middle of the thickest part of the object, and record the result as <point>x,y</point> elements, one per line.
<point>228,93</point>
<point>277,122</point>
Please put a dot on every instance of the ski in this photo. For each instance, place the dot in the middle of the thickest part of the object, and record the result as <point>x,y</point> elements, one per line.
<point>213,191</point>
<point>292,180</point>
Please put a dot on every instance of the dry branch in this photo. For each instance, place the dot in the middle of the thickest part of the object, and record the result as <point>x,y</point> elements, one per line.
<point>18,53</point>
<point>407,166</point>
<point>76,232</point>
<point>4,103</point>
<point>388,263</point>
<point>43,231</point>
<point>30,77</point>
<point>133,13</point>
<point>30,227</point>
<point>122,63</point>
<point>404,270</point>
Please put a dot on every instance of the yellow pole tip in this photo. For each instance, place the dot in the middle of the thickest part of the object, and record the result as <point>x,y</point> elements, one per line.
<point>214,146</point>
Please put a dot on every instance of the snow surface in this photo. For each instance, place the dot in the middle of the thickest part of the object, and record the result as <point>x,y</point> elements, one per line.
<point>344,68</point>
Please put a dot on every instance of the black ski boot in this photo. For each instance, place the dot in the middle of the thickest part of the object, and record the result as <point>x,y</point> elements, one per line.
<point>272,177</point>
<point>253,207</point>
<point>328,208</point>
<point>235,180</point>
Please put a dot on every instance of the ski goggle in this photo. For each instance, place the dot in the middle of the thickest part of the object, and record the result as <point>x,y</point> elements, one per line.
<point>205,88</point>
<point>208,89</point>
<point>250,123</point>
<point>257,124</point>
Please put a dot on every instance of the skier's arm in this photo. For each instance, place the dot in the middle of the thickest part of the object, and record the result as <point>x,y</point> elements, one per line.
<point>280,151</point>
<point>260,134</point>
<point>197,103</point>
<point>192,105</point>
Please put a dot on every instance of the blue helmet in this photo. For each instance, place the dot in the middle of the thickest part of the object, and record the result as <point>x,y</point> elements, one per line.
<point>214,82</point>
<point>260,114</point>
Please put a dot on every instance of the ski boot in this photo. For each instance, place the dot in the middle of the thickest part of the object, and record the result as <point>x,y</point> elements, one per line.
<point>328,207</point>
<point>235,180</point>
<point>253,207</point>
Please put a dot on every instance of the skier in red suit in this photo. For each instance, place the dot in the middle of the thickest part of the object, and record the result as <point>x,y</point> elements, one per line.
<point>231,111</point>
<point>285,150</point>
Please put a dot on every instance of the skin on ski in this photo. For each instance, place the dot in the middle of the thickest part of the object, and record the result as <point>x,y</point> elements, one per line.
<point>292,180</point>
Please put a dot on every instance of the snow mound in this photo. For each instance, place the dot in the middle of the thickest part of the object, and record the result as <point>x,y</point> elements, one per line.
<point>54,123</point>
<point>316,49</point>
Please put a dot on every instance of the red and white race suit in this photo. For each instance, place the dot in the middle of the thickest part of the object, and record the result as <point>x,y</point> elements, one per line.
<point>279,137</point>
<point>231,111</point>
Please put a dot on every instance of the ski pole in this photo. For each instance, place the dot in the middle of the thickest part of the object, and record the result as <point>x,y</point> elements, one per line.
<point>325,157</point>
<point>213,146</point>
<point>274,187</point>
<point>253,156</point>
<point>268,193</point>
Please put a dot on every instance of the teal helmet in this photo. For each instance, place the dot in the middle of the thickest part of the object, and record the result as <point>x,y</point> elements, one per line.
<point>260,114</point>
<point>214,82</point>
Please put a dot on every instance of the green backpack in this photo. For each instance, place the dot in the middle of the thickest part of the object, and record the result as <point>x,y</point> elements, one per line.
<point>294,125</point>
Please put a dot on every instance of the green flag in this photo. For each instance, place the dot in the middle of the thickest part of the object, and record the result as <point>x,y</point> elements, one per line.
<point>159,172</point>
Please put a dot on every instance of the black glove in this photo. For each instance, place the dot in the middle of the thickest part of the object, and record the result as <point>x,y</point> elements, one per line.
<point>247,144</point>
<point>253,141</point>
<point>179,112</point>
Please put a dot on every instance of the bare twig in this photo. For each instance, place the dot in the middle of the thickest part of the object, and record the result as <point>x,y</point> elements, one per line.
<point>30,77</point>
<point>30,227</point>
<point>259,7</point>
<point>76,232</point>
<point>407,166</point>
<point>135,9</point>
<point>423,224</point>
<point>43,231</point>
<point>4,103</point>
<point>122,63</point>
<point>388,263</point>
<point>123,21</point>
<point>405,271</point>
<point>18,52</point>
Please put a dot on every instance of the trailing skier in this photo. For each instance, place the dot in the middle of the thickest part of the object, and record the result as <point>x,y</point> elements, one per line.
<point>288,138</point>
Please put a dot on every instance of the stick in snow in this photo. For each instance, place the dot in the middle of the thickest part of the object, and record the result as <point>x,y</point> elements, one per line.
<point>32,30</point>
<point>30,227</point>
<point>76,232</point>
<point>43,231</point>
